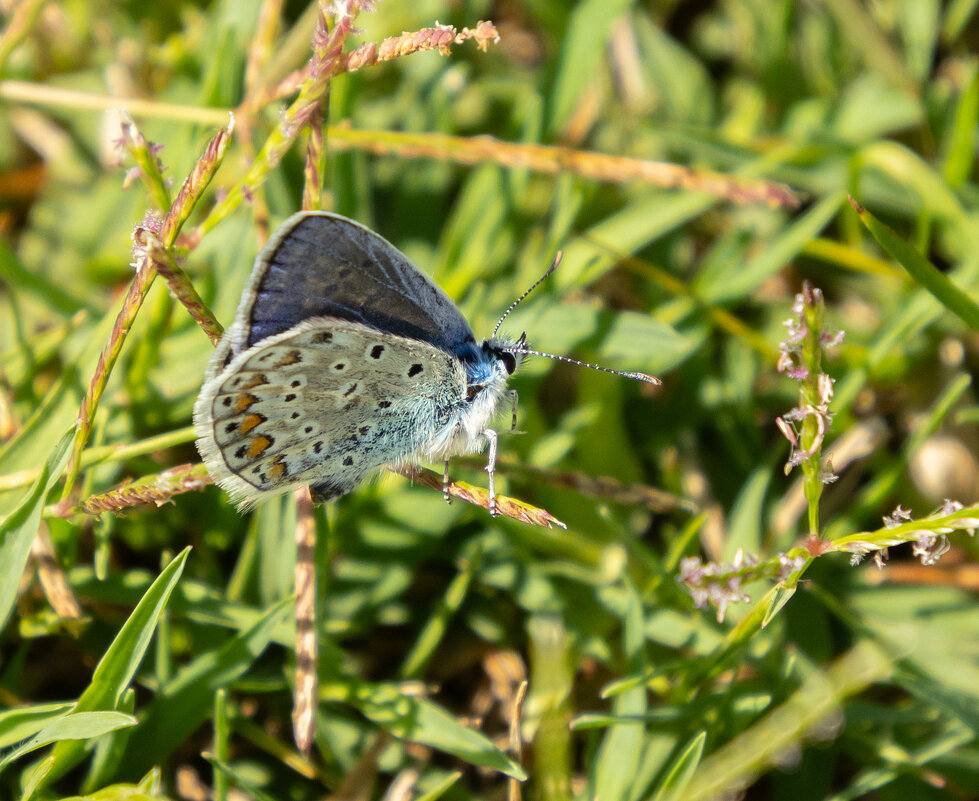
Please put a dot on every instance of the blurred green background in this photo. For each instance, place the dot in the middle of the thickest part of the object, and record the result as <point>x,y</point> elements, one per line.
<point>879,100</point>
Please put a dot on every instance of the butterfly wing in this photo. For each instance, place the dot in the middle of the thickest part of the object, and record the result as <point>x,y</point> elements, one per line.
<point>323,404</point>
<point>320,264</point>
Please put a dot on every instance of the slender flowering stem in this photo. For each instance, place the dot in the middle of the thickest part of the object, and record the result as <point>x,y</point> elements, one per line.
<point>148,168</point>
<point>182,289</point>
<point>156,489</point>
<point>135,295</point>
<point>815,424</point>
<point>194,185</point>
<point>327,50</point>
<point>805,426</point>
<point>159,488</point>
<point>165,232</point>
<point>720,584</point>
<point>367,55</point>
<point>315,164</point>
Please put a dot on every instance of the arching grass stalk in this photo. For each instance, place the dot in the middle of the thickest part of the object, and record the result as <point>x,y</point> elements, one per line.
<point>805,427</point>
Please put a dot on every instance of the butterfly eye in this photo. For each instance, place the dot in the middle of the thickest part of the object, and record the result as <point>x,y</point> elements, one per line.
<point>509,362</point>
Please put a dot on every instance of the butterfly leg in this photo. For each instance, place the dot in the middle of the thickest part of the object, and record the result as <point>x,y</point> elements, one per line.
<point>445,482</point>
<point>490,436</point>
<point>512,395</point>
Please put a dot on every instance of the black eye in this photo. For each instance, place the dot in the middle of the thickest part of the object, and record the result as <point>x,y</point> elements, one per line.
<point>509,362</point>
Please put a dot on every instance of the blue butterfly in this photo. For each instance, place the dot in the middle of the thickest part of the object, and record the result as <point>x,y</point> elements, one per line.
<point>344,357</point>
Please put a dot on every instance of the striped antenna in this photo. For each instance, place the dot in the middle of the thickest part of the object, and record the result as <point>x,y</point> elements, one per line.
<point>649,379</point>
<point>557,260</point>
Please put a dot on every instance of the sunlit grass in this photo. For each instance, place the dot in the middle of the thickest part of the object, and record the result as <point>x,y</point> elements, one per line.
<point>694,163</point>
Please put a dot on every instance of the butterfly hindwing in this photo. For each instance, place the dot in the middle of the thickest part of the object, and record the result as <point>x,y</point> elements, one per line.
<point>324,403</point>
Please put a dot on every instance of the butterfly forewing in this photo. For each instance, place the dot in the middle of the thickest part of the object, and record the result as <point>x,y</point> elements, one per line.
<point>323,265</point>
<point>326,398</point>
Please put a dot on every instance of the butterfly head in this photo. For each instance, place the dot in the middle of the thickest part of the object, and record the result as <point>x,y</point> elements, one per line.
<point>489,365</point>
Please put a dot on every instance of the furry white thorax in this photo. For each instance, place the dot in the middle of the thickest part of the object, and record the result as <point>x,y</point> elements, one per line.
<point>486,369</point>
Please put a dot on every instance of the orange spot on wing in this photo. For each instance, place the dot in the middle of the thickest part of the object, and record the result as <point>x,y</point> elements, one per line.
<point>250,422</point>
<point>290,357</point>
<point>256,380</point>
<point>277,470</point>
<point>258,446</point>
<point>243,400</point>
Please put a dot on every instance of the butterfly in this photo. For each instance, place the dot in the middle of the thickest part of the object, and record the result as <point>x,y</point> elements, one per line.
<point>344,357</point>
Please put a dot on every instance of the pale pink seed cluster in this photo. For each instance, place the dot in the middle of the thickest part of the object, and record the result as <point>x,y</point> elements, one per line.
<point>927,544</point>
<point>792,363</point>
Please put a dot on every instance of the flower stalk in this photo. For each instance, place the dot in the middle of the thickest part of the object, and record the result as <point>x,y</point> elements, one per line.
<point>806,425</point>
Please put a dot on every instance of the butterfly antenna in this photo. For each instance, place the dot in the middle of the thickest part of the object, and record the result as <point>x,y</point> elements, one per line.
<point>649,379</point>
<point>557,260</point>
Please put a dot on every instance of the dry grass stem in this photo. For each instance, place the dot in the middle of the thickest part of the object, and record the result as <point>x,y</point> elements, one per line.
<point>516,741</point>
<point>505,506</point>
<point>439,38</point>
<point>315,164</point>
<point>54,583</point>
<point>655,500</point>
<point>307,646</point>
<point>262,43</point>
<point>463,150</point>
<point>182,289</point>
<point>553,160</point>
<point>153,490</point>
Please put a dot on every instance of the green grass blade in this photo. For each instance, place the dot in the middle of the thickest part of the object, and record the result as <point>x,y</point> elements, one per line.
<point>921,270</point>
<point>960,152</point>
<point>17,725</point>
<point>422,721</point>
<point>742,280</point>
<point>434,631</point>
<point>77,726</point>
<point>117,667</point>
<point>187,700</point>
<point>618,757</point>
<point>16,276</point>
<point>682,770</point>
<point>18,529</point>
<point>582,54</point>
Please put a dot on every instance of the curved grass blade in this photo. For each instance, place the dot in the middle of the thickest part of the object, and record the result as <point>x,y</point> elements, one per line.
<point>18,529</point>
<point>920,269</point>
<point>76,726</point>
<point>113,673</point>
<point>682,770</point>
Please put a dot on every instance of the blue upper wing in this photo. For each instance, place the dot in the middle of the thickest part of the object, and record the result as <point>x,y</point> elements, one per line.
<point>323,265</point>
